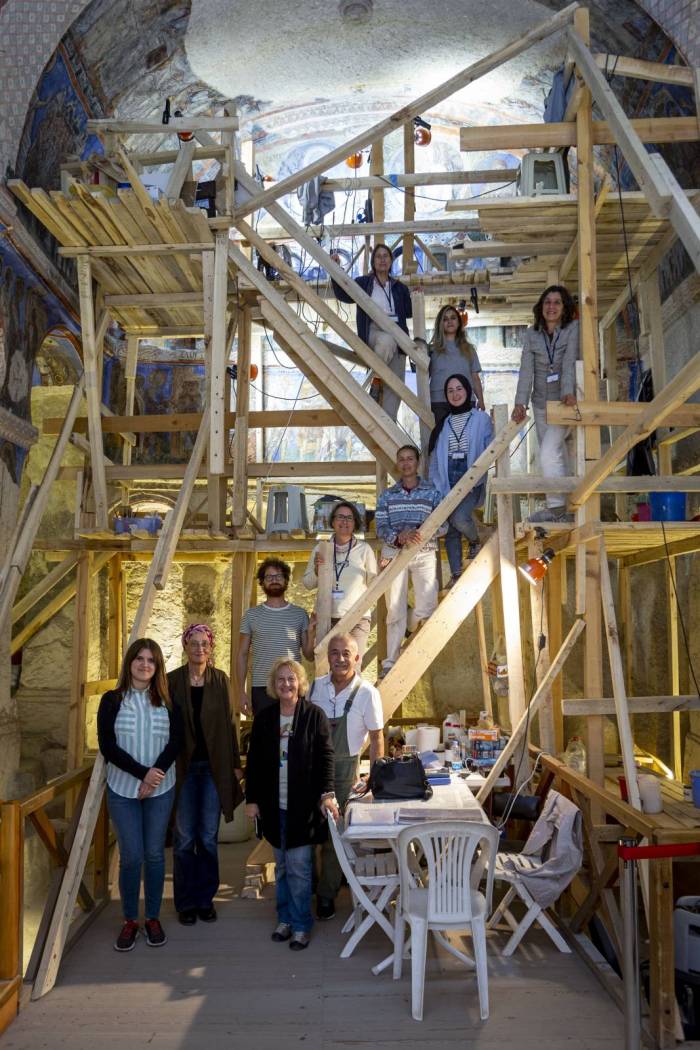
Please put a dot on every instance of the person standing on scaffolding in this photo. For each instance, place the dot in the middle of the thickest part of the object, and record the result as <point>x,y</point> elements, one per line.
<point>394,299</point>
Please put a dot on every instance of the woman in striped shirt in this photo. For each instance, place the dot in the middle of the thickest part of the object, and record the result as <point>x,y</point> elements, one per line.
<point>140,734</point>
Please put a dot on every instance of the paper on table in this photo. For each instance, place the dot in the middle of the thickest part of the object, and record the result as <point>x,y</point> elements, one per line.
<point>377,813</point>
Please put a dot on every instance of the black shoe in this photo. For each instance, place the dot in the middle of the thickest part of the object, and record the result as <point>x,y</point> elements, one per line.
<point>299,941</point>
<point>207,914</point>
<point>187,918</point>
<point>155,935</point>
<point>325,908</point>
<point>127,936</point>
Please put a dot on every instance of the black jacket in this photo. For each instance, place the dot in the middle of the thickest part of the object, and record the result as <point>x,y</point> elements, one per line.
<point>311,773</point>
<point>107,738</point>
<point>218,729</point>
<point>400,295</point>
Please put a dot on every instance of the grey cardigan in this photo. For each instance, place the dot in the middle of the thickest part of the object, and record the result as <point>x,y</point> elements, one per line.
<point>534,367</point>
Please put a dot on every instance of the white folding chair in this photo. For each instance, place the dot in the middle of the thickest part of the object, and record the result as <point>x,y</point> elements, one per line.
<point>540,873</point>
<point>373,880</point>
<point>446,898</point>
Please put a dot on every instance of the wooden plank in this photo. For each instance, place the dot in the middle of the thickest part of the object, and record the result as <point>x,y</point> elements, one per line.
<point>27,603</point>
<point>430,526</point>
<point>556,597</point>
<point>541,648</point>
<point>572,254</point>
<point>496,248</point>
<point>422,376</point>
<point>373,310</point>
<point>323,604</point>
<point>684,383</point>
<point>326,311</point>
<point>621,413</point>
<point>416,108</point>
<point>636,705</point>
<point>554,135</point>
<point>189,421</point>
<point>420,178</point>
<point>509,581</point>
<point>662,970</point>
<point>217,358</point>
<point>181,169</point>
<point>24,544</point>
<point>681,213</point>
<point>47,833</point>
<point>93,397</point>
<point>18,530</point>
<point>109,251</point>
<point>539,698</point>
<point>239,454</point>
<point>636,68</point>
<point>80,644</point>
<point>409,198</point>
<point>110,126</point>
<point>11,884</point>
<point>487,699</point>
<point>440,627</point>
<point>529,484</point>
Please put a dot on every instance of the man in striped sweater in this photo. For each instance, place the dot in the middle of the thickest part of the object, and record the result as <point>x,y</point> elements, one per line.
<point>401,510</point>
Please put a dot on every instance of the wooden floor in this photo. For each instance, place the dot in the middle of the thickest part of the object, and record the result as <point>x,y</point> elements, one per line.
<point>227,985</point>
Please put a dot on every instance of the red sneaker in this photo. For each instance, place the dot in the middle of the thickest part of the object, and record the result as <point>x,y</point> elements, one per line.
<point>127,936</point>
<point>155,935</point>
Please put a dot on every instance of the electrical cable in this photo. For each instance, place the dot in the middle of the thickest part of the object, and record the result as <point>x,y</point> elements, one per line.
<point>441,200</point>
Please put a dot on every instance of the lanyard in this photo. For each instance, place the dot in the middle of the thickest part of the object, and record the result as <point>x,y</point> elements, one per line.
<point>337,571</point>
<point>388,295</point>
<point>458,437</point>
<point>550,345</point>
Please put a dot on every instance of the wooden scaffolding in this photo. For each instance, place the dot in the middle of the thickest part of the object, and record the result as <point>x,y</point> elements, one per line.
<point>161,268</point>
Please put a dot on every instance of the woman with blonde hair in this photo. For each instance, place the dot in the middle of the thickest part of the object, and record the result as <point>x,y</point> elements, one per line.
<point>209,771</point>
<point>289,786</point>
<point>140,734</point>
<point>451,353</point>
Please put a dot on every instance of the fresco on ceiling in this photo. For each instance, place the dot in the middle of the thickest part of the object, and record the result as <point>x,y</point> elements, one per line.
<point>28,311</point>
<point>57,361</point>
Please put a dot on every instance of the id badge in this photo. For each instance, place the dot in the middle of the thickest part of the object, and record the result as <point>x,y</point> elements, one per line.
<point>458,455</point>
<point>553,377</point>
<point>337,595</point>
<point>393,317</point>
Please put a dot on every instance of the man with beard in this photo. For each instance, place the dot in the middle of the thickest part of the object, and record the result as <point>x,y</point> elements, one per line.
<point>353,708</point>
<point>273,630</point>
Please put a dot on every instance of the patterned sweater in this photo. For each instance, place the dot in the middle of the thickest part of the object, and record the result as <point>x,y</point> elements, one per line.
<point>399,509</point>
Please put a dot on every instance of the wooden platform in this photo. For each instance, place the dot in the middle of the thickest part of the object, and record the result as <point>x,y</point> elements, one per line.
<point>624,539</point>
<point>227,985</point>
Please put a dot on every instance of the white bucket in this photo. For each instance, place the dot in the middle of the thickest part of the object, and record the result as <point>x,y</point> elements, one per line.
<point>411,736</point>
<point>428,738</point>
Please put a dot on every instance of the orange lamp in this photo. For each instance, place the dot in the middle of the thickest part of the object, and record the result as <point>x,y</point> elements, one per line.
<point>464,317</point>
<point>535,569</point>
<point>184,136</point>
<point>253,370</point>
<point>355,160</point>
<point>423,136</point>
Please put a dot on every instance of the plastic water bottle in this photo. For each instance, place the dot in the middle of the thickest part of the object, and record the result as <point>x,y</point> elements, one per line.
<point>575,755</point>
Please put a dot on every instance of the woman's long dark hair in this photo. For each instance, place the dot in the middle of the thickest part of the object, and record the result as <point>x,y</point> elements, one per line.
<point>158,689</point>
<point>567,300</point>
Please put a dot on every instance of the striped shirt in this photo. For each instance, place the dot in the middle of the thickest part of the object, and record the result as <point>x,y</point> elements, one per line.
<point>274,633</point>
<point>458,435</point>
<point>142,730</point>
<point>399,509</point>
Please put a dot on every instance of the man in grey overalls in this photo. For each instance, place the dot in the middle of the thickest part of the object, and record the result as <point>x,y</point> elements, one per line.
<point>354,709</point>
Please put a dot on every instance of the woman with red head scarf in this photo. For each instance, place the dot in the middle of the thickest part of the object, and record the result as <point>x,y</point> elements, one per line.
<point>209,770</point>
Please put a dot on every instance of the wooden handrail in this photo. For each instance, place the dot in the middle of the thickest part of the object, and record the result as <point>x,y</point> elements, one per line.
<point>55,788</point>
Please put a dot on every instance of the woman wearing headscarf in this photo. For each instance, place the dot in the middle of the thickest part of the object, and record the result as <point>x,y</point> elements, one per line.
<point>455,443</point>
<point>209,771</point>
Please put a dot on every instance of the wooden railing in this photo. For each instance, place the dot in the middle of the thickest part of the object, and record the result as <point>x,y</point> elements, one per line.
<point>13,816</point>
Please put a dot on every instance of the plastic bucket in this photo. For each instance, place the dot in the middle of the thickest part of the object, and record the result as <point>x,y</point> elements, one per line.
<point>667,506</point>
<point>428,738</point>
<point>695,784</point>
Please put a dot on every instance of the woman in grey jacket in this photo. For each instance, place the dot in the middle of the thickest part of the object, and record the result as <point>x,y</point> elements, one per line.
<point>548,373</point>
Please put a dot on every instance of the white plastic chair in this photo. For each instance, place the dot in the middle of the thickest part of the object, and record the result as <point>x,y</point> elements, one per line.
<point>447,897</point>
<point>540,873</point>
<point>373,882</point>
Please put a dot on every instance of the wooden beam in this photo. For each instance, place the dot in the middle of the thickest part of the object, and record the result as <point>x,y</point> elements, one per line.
<point>18,558</point>
<point>531,484</point>
<point>11,886</point>
<point>93,396</point>
<point>678,390</point>
<point>420,178</point>
<point>107,251</point>
<point>217,358</point>
<point>42,588</point>
<point>109,126</point>
<point>539,698</point>
<point>539,619</point>
<point>572,254</point>
<point>409,198</point>
<point>189,421</point>
<point>636,705</point>
<point>181,169</point>
<point>239,495</point>
<point>414,109</point>
<point>636,68</point>
<point>608,413</point>
<point>430,526</point>
<point>659,130</point>
<point>440,627</point>
<point>373,310</point>
<point>532,247</point>
<point>366,355</point>
<point>324,603</point>
<point>422,375</point>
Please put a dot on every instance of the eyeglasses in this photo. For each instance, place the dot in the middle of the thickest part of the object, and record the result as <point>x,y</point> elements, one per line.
<point>270,577</point>
<point>343,517</point>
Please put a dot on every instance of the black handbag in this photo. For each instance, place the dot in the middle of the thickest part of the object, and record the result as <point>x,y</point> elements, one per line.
<point>399,779</point>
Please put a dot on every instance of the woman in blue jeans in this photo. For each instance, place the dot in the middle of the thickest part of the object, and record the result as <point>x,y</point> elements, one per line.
<point>208,773</point>
<point>140,734</point>
<point>289,786</point>
<point>455,443</point>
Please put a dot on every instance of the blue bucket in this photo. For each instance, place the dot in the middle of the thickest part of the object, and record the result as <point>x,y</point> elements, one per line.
<point>667,506</point>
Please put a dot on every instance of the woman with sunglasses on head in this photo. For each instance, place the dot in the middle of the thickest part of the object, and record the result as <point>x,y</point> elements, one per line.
<point>354,568</point>
<point>209,771</point>
<point>394,299</point>
<point>455,444</point>
<point>289,788</point>
<point>451,353</point>
<point>139,733</point>
<point>548,373</point>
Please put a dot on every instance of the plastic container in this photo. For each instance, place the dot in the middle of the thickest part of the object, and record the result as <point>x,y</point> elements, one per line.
<point>650,793</point>
<point>686,934</point>
<point>668,506</point>
<point>575,755</point>
<point>695,786</point>
<point>427,738</point>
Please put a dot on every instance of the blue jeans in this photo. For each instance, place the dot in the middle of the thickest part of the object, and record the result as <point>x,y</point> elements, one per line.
<point>461,520</point>
<point>195,857</point>
<point>141,825</point>
<point>293,873</point>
